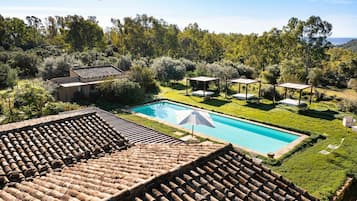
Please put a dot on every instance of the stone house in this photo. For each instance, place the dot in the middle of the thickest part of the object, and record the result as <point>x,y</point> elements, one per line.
<point>84,80</point>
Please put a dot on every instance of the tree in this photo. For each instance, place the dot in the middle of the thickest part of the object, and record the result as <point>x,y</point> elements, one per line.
<point>166,69</point>
<point>145,77</point>
<point>84,34</point>
<point>35,31</point>
<point>190,39</point>
<point>292,70</point>
<point>31,97</point>
<point>122,91</point>
<point>211,49</point>
<point>313,35</point>
<point>340,66</point>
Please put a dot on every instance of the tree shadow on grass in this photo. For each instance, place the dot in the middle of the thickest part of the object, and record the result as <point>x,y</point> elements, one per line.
<point>260,106</point>
<point>215,102</point>
<point>177,86</point>
<point>327,114</point>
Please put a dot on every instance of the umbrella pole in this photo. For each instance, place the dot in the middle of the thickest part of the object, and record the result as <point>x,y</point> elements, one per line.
<point>192,130</point>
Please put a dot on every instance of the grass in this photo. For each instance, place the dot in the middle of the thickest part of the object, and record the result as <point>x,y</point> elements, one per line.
<point>321,175</point>
<point>163,128</point>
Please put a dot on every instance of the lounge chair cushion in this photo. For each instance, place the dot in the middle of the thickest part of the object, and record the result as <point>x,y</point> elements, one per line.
<point>292,102</point>
<point>242,96</point>
<point>202,93</point>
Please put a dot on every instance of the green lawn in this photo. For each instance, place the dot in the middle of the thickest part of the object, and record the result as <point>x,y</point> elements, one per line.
<point>321,175</point>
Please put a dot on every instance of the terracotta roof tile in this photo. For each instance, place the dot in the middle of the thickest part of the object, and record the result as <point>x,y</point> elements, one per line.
<point>162,172</point>
<point>97,71</point>
<point>135,133</point>
<point>36,147</point>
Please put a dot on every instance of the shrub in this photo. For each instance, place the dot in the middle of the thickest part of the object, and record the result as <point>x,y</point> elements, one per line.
<point>53,108</point>
<point>201,69</point>
<point>268,93</point>
<point>320,96</point>
<point>246,71</point>
<point>124,63</point>
<point>348,105</point>
<point>55,67</point>
<point>315,76</point>
<point>8,76</point>
<point>271,74</point>
<point>31,97</point>
<point>189,65</point>
<point>142,62</point>
<point>26,64</point>
<point>123,91</point>
<point>223,72</point>
<point>145,77</point>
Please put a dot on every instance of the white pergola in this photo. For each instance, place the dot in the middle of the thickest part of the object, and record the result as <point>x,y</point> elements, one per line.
<point>247,82</point>
<point>205,80</point>
<point>295,86</point>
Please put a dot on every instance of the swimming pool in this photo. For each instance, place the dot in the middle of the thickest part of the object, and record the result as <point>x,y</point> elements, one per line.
<point>248,135</point>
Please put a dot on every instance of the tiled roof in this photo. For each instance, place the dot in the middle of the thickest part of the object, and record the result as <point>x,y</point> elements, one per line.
<point>97,71</point>
<point>226,175</point>
<point>135,133</point>
<point>161,172</point>
<point>64,80</point>
<point>36,147</point>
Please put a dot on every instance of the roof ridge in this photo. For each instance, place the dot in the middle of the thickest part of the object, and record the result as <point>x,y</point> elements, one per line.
<point>43,120</point>
<point>99,66</point>
<point>86,67</point>
<point>137,189</point>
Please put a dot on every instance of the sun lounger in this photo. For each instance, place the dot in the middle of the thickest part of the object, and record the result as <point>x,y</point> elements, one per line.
<point>332,147</point>
<point>243,97</point>
<point>202,93</point>
<point>292,102</point>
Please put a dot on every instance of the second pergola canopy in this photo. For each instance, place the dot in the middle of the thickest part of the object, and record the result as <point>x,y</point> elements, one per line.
<point>246,82</point>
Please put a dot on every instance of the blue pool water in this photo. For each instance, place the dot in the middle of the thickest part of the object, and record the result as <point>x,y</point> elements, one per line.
<point>254,137</point>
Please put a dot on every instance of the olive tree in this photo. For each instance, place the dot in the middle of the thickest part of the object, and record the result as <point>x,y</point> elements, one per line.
<point>8,76</point>
<point>166,69</point>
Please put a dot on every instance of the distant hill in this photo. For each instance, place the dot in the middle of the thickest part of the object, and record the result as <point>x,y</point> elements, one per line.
<point>339,40</point>
<point>352,44</point>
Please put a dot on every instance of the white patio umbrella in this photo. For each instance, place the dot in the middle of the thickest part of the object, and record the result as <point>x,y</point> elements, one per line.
<point>194,117</point>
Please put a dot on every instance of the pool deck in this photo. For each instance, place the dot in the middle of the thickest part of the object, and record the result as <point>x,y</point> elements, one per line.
<point>277,154</point>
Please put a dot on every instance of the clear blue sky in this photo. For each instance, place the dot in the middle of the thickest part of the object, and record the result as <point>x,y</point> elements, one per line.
<point>239,16</point>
